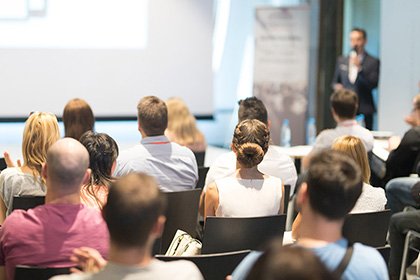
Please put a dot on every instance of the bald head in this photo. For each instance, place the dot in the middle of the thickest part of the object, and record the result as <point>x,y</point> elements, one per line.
<point>67,164</point>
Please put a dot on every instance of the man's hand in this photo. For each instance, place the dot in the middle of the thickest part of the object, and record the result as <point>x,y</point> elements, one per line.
<point>88,259</point>
<point>9,161</point>
<point>338,86</point>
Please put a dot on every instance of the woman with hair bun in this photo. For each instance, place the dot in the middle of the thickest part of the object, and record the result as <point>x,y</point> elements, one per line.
<point>248,193</point>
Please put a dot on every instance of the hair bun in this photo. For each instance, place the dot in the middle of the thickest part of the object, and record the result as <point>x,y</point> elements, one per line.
<point>250,154</point>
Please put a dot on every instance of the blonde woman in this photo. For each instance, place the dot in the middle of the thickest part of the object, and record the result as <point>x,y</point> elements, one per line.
<point>248,193</point>
<point>371,199</point>
<point>40,132</point>
<point>182,127</point>
<point>77,118</point>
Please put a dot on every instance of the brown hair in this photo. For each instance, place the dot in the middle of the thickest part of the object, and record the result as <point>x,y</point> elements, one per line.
<point>41,131</point>
<point>252,108</point>
<point>134,205</point>
<point>355,148</point>
<point>152,115</point>
<point>345,103</point>
<point>77,118</point>
<point>250,141</point>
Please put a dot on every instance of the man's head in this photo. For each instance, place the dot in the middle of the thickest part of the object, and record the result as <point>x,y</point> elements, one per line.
<point>66,169</point>
<point>344,104</point>
<point>152,116</point>
<point>252,108</point>
<point>332,186</point>
<point>134,211</point>
<point>358,39</point>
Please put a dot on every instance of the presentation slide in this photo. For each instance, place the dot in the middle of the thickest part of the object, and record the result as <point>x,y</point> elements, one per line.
<point>109,52</point>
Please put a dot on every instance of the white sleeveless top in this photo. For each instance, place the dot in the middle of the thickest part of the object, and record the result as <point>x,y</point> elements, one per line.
<point>248,197</point>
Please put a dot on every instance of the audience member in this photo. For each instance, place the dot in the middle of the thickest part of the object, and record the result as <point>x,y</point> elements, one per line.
<point>174,166</point>
<point>134,216</point>
<point>248,192</point>
<point>275,162</point>
<point>289,263</point>
<point>40,132</point>
<point>77,118</point>
<point>404,155</point>
<point>182,128</point>
<point>332,187</point>
<point>103,153</point>
<point>344,104</point>
<point>371,199</point>
<point>402,192</point>
<point>46,235</point>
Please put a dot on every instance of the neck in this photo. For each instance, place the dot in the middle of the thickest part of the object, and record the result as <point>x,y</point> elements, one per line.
<point>247,173</point>
<point>62,198</point>
<point>139,256</point>
<point>315,229</point>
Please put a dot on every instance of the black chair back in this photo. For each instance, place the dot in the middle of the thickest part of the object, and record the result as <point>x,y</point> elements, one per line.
<point>27,202</point>
<point>285,199</point>
<point>38,273</point>
<point>181,213</point>
<point>202,173</point>
<point>222,234</point>
<point>3,164</point>
<point>368,228</point>
<point>200,157</point>
<point>213,266</point>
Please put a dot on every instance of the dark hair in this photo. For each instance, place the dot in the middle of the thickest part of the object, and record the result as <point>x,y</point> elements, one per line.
<point>134,205</point>
<point>103,151</point>
<point>250,141</point>
<point>357,29</point>
<point>252,108</point>
<point>334,184</point>
<point>77,118</point>
<point>345,103</point>
<point>289,263</point>
<point>152,115</point>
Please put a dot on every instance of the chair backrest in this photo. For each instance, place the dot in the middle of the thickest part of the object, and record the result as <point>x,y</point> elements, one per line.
<point>181,213</point>
<point>200,157</point>
<point>3,164</point>
<point>27,202</point>
<point>368,228</point>
<point>202,173</point>
<point>222,234</point>
<point>213,266</point>
<point>38,273</point>
<point>285,199</point>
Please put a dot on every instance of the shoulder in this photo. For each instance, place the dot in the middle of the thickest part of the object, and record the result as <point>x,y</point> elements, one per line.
<point>244,267</point>
<point>181,269</point>
<point>73,276</point>
<point>10,171</point>
<point>367,263</point>
<point>371,59</point>
<point>276,153</point>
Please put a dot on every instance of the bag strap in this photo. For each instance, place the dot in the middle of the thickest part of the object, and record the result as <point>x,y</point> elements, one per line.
<point>344,262</point>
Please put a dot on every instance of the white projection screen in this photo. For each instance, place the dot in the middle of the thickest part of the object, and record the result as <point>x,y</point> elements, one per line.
<point>108,52</point>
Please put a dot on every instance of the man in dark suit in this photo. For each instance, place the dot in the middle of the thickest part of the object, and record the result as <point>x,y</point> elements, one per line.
<point>358,72</point>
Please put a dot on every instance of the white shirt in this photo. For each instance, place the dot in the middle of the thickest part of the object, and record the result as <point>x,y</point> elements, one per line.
<point>349,127</point>
<point>248,197</point>
<point>275,163</point>
<point>371,200</point>
<point>173,166</point>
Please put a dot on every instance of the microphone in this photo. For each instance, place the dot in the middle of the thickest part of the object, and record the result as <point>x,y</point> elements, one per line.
<point>353,52</point>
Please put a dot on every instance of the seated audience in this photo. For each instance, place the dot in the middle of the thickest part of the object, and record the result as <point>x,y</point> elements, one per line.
<point>399,225</point>
<point>404,155</point>
<point>40,132</point>
<point>402,192</point>
<point>372,199</point>
<point>344,104</point>
<point>289,263</point>
<point>46,235</point>
<point>103,153</point>
<point>248,192</point>
<point>134,216</point>
<point>182,128</point>
<point>173,166</point>
<point>77,118</point>
<point>275,163</point>
<point>332,187</point>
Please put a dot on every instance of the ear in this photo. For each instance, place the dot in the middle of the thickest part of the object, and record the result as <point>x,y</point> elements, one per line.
<point>302,195</point>
<point>268,124</point>
<point>158,227</point>
<point>44,171</point>
<point>86,178</point>
<point>114,165</point>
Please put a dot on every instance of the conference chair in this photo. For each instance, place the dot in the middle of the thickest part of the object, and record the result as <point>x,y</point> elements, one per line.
<point>409,245</point>
<point>202,173</point>
<point>181,213</point>
<point>225,234</point>
<point>213,266</point>
<point>3,164</point>
<point>27,202</point>
<point>200,157</point>
<point>368,228</point>
<point>284,206</point>
<point>38,273</point>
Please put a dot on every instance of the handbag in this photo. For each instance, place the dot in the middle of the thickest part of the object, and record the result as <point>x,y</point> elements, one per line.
<point>183,245</point>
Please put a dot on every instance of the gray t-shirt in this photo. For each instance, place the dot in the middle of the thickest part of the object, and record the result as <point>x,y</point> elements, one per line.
<point>174,270</point>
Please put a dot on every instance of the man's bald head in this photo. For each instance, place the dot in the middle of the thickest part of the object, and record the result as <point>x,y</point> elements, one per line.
<point>67,163</point>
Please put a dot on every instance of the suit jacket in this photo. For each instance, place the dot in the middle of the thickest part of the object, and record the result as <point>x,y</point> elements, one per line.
<point>366,81</point>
